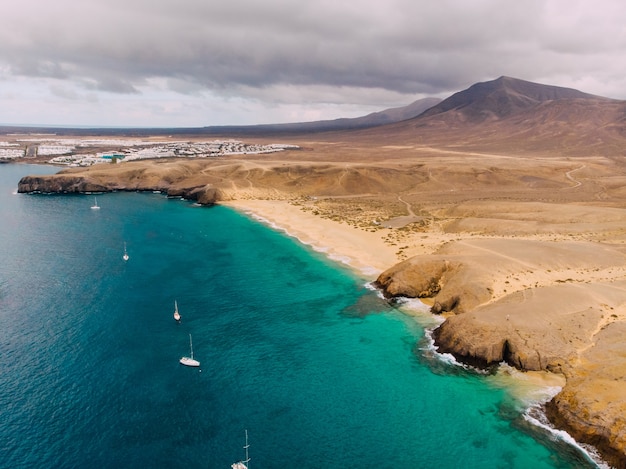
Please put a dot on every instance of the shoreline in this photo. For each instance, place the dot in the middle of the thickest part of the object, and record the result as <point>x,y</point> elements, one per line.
<point>367,254</point>
<point>364,252</point>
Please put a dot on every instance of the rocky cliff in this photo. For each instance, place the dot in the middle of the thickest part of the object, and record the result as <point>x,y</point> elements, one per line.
<point>59,184</point>
<point>204,194</point>
<point>559,307</point>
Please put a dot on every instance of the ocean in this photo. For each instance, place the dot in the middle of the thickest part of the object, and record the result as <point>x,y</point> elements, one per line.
<point>295,349</point>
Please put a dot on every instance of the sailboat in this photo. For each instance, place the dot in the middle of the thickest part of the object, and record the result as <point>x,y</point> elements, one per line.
<point>245,464</point>
<point>189,361</point>
<point>95,204</point>
<point>176,313</point>
<point>125,256</point>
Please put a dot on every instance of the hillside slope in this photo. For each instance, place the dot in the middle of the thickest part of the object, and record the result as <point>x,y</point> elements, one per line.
<point>516,117</point>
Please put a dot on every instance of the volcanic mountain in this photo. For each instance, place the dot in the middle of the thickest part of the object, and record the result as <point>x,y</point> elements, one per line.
<point>519,117</point>
<point>501,98</point>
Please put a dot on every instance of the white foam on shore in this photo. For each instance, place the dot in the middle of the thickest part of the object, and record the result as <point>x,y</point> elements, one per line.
<point>421,313</point>
<point>415,306</point>
<point>529,390</point>
<point>536,417</point>
<point>529,394</point>
<point>446,358</point>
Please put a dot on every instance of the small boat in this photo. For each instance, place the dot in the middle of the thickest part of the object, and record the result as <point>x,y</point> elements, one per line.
<point>176,313</point>
<point>95,204</point>
<point>125,256</point>
<point>245,464</point>
<point>189,361</point>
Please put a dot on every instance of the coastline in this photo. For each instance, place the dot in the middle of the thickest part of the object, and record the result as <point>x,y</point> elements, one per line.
<point>368,255</point>
<point>364,252</point>
<point>551,257</point>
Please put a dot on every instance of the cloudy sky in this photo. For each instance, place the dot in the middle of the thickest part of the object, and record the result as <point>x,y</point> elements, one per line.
<point>192,63</point>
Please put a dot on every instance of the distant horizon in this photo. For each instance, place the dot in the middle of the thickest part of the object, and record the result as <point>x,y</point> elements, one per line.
<point>258,124</point>
<point>87,127</point>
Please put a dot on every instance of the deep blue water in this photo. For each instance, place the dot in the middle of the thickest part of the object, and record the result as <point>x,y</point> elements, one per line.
<point>293,348</point>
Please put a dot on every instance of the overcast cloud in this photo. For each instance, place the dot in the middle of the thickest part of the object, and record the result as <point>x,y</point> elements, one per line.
<point>211,62</point>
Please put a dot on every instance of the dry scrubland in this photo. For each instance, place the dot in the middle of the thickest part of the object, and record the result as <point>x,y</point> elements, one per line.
<point>525,254</point>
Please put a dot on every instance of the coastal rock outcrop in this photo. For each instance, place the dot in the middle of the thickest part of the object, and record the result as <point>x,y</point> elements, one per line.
<point>591,406</point>
<point>536,305</point>
<point>415,278</point>
<point>454,286</point>
<point>204,194</point>
<point>59,184</point>
<point>542,330</point>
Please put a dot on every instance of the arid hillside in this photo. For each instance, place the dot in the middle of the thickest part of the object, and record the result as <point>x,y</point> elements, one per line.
<point>517,118</point>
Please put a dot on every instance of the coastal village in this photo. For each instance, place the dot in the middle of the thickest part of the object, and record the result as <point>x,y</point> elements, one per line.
<point>91,151</point>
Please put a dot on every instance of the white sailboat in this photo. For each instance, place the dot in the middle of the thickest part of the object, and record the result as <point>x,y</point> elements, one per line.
<point>245,464</point>
<point>189,361</point>
<point>125,256</point>
<point>95,204</point>
<point>176,313</point>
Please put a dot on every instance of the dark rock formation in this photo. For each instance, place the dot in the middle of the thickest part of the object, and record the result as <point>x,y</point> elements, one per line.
<point>59,184</point>
<point>204,194</point>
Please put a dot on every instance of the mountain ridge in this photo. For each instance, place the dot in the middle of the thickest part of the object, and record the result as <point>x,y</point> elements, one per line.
<point>513,116</point>
<point>374,119</point>
<point>503,97</point>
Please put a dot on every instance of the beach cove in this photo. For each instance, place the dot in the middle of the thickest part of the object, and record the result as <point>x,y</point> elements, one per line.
<point>452,222</point>
<point>313,363</point>
<point>368,254</point>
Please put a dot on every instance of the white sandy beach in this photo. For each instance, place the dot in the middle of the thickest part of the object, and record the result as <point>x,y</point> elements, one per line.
<point>364,251</point>
<point>368,254</point>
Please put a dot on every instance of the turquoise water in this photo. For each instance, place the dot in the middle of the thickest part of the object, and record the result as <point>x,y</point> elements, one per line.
<point>293,348</point>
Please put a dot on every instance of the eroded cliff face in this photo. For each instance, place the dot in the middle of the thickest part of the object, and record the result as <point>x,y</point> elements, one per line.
<point>443,278</point>
<point>59,184</point>
<point>521,330</point>
<point>416,277</point>
<point>204,194</point>
<point>571,319</point>
<point>592,405</point>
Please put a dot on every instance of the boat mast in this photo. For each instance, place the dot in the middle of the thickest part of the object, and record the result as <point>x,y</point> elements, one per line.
<point>247,461</point>
<point>191,346</point>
